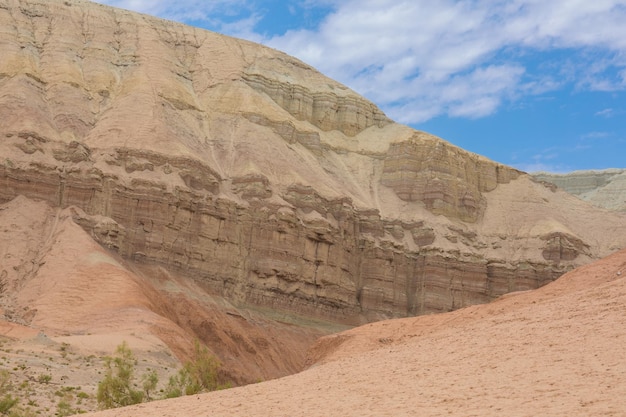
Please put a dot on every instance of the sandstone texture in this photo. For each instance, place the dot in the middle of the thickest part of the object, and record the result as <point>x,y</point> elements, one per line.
<point>603,188</point>
<point>264,182</point>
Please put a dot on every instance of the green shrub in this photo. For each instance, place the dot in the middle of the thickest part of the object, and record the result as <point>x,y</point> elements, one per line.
<point>198,375</point>
<point>7,401</point>
<point>116,389</point>
<point>150,381</point>
<point>64,408</point>
<point>44,378</point>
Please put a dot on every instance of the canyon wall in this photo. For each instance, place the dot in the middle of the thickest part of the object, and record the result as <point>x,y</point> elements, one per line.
<point>309,255</point>
<point>264,181</point>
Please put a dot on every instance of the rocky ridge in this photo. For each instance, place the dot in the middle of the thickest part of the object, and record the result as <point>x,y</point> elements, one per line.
<point>603,188</point>
<point>261,179</point>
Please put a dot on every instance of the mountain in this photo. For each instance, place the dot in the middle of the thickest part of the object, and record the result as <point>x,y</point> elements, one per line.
<point>265,181</point>
<point>602,188</point>
<point>161,183</point>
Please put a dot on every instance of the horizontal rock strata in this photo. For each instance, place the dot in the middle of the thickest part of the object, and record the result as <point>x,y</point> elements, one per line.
<point>446,179</point>
<point>343,263</point>
<point>348,114</point>
<point>265,181</point>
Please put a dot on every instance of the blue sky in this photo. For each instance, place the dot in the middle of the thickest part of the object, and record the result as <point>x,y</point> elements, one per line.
<point>536,84</point>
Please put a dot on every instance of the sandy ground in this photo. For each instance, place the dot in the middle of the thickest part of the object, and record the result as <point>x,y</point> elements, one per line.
<point>46,371</point>
<point>556,351</point>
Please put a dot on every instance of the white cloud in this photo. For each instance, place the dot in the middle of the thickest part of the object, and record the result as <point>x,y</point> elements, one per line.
<point>606,113</point>
<point>419,59</point>
<point>595,135</point>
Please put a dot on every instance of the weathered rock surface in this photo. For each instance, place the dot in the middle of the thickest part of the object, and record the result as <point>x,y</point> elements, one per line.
<point>603,188</point>
<point>261,179</point>
<point>446,179</point>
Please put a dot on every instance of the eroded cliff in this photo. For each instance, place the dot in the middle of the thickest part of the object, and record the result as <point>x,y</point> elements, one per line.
<point>265,181</point>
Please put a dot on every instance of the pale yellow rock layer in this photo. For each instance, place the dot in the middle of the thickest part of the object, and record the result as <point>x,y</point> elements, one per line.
<point>603,188</point>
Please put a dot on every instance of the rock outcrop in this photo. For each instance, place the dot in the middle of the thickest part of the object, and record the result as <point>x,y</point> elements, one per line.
<point>260,178</point>
<point>446,179</point>
<point>603,188</point>
<point>348,114</point>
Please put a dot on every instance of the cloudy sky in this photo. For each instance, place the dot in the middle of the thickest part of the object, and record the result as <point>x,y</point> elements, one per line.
<point>536,84</point>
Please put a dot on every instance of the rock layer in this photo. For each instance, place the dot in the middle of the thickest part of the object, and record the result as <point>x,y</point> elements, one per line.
<point>446,179</point>
<point>603,188</point>
<point>260,178</point>
<point>327,111</point>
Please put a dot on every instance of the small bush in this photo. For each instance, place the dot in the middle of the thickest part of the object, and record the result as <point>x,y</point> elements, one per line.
<point>7,401</point>
<point>64,408</point>
<point>199,375</point>
<point>150,381</point>
<point>116,389</point>
<point>44,378</point>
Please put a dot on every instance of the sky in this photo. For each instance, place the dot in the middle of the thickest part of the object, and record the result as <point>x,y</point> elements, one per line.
<point>536,84</point>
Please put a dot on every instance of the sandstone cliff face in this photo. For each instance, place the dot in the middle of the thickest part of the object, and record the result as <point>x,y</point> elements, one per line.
<point>446,179</point>
<point>605,188</point>
<point>265,181</point>
<point>54,278</point>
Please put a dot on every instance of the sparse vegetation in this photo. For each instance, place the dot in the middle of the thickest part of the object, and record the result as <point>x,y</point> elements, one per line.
<point>64,408</point>
<point>36,382</point>
<point>116,389</point>
<point>150,381</point>
<point>64,349</point>
<point>119,386</point>
<point>44,378</point>
<point>20,394</point>
<point>7,401</point>
<point>199,375</point>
